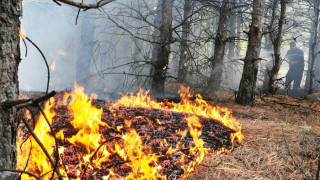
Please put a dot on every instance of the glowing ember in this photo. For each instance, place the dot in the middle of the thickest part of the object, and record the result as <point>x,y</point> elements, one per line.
<point>126,139</point>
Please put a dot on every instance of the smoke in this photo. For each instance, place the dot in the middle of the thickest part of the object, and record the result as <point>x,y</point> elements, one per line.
<point>65,44</point>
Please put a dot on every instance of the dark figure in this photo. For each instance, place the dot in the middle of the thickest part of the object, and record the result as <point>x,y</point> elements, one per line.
<point>296,66</point>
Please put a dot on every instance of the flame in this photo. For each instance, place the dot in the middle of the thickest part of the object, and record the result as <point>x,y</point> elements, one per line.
<point>22,33</point>
<point>137,156</point>
<point>53,65</point>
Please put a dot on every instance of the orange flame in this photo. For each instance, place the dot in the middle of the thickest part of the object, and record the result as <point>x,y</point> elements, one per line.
<point>86,119</point>
<point>22,33</point>
<point>53,65</point>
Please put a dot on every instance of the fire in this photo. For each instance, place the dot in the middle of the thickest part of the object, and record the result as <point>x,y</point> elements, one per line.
<point>53,65</point>
<point>22,33</point>
<point>128,145</point>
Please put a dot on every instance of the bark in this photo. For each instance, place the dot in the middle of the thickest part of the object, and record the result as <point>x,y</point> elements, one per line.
<point>156,39</point>
<point>84,53</point>
<point>219,46</point>
<point>10,12</point>
<point>245,95</point>
<point>184,53</point>
<point>314,46</point>
<point>163,51</point>
<point>277,48</point>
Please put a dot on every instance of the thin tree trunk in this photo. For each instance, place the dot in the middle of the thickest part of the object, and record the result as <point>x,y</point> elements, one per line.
<point>245,95</point>
<point>232,33</point>
<point>316,9</point>
<point>239,23</point>
<point>10,13</point>
<point>162,58</point>
<point>184,53</point>
<point>277,48</point>
<point>219,46</point>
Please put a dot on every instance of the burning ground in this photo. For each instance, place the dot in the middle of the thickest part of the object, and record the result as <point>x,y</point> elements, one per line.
<point>134,138</point>
<point>282,140</point>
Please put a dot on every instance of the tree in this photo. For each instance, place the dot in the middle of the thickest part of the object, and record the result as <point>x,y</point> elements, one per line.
<point>162,56</point>
<point>184,53</point>
<point>10,13</point>
<point>314,40</point>
<point>219,46</point>
<point>245,95</point>
<point>276,49</point>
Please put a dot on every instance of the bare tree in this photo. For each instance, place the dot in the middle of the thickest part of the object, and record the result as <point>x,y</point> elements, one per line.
<point>276,48</point>
<point>314,43</point>
<point>245,95</point>
<point>219,45</point>
<point>184,53</point>
<point>162,56</point>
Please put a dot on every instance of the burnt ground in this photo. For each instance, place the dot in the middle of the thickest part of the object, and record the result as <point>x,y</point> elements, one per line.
<point>282,139</point>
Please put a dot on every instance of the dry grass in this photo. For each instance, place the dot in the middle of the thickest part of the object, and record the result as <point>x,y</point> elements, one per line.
<point>281,141</point>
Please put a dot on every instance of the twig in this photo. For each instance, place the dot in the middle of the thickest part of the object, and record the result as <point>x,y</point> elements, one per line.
<point>41,145</point>
<point>64,167</point>
<point>25,167</point>
<point>25,44</point>
<point>55,139</point>
<point>20,171</point>
<point>94,154</point>
<point>45,60</point>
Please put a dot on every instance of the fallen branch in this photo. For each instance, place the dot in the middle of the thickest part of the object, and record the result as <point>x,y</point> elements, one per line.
<point>20,171</point>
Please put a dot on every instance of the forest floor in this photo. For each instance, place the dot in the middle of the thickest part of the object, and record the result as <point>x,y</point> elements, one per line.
<point>282,139</point>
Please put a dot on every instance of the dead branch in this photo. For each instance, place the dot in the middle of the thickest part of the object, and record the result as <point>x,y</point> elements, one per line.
<point>45,60</point>
<point>20,171</point>
<point>20,103</point>
<point>86,6</point>
<point>41,146</point>
<point>295,105</point>
<point>55,139</point>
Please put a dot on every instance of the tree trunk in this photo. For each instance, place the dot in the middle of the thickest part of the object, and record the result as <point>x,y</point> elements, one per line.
<point>219,46</point>
<point>84,54</point>
<point>163,51</point>
<point>232,33</point>
<point>10,13</point>
<point>314,46</point>
<point>239,23</point>
<point>277,48</point>
<point>184,53</point>
<point>245,95</point>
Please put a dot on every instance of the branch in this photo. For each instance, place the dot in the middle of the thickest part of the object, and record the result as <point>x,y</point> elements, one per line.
<point>41,146</point>
<point>20,171</point>
<point>86,6</point>
<point>45,60</point>
<point>27,102</point>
